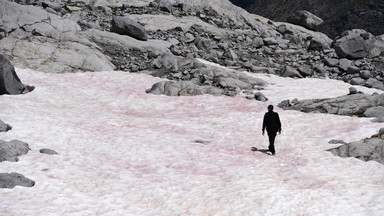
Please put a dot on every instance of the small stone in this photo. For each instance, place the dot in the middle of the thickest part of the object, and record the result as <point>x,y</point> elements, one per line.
<point>352,90</point>
<point>48,151</point>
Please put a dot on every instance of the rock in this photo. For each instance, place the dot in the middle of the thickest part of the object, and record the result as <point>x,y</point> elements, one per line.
<point>165,5</point>
<point>29,18</point>
<point>10,180</point>
<point>4,127</point>
<point>9,81</point>
<point>257,42</point>
<point>127,26</point>
<point>270,41</point>
<point>352,90</point>
<point>376,46</point>
<point>305,71</point>
<point>337,142</point>
<point>166,61</point>
<point>231,55</point>
<point>350,105</point>
<point>357,81</point>
<point>374,83</point>
<point>305,19</point>
<point>365,74</point>
<point>351,47</point>
<point>9,151</point>
<point>331,62</point>
<point>366,150</point>
<point>344,64</point>
<point>260,97</point>
<point>317,45</point>
<point>284,29</point>
<point>376,111</point>
<point>182,88</point>
<point>48,151</point>
<point>56,56</point>
<point>288,71</point>
<point>353,70</point>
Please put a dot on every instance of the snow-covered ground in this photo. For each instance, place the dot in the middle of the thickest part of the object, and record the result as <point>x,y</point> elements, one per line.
<point>125,152</point>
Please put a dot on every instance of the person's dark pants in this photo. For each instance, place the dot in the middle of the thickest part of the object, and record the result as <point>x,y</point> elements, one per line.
<point>272,136</point>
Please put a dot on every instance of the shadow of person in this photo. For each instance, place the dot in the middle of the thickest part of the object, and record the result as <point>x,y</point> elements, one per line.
<point>265,151</point>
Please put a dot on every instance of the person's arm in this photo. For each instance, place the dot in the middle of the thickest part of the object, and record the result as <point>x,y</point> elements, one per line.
<point>264,124</point>
<point>278,123</point>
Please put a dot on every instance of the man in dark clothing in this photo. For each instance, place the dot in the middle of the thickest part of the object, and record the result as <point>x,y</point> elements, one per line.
<point>272,123</point>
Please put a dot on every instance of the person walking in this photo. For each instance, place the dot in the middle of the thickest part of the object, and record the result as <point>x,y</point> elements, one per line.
<point>272,123</point>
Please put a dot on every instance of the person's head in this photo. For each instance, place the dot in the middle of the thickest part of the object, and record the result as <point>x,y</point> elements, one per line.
<point>270,107</point>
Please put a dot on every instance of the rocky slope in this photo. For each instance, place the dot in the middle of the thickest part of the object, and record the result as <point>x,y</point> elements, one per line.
<point>338,16</point>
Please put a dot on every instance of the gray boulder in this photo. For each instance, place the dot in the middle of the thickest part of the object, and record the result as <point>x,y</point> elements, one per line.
<point>48,151</point>
<point>331,62</point>
<point>352,44</point>
<point>183,88</point>
<point>260,97</point>
<point>288,71</point>
<point>376,46</point>
<point>344,64</point>
<point>166,61</point>
<point>127,26</point>
<point>4,127</point>
<point>317,45</point>
<point>9,81</point>
<point>10,151</point>
<point>10,180</point>
<point>374,83</point>
<point>305,19</point>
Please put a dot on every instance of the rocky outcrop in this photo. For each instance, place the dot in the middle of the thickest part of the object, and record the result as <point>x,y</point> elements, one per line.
<point>366,150</point>
<point>10,180</point>
<point>200,78</point>
<point>305,19</point>
<point>10,151</point>
<point>182,88</point>
<point>358,104</point>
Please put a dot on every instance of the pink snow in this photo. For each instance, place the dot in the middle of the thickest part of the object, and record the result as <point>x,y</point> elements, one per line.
<point>125,152</point>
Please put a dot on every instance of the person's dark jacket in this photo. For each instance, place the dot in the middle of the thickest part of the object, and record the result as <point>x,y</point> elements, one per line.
<point>271,122</point>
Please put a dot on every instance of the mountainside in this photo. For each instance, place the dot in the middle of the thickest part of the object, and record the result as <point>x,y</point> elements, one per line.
<point>338,15</point>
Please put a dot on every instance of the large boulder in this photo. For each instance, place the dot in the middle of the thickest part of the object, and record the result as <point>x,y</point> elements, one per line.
<point>127,26</point>
<point>353,44</point>
<point>10,180</point>
<point>305,19</point>
<point>9,81</point>
<point>288,71</point>
<point>376,46</point>
<point>351,48</point>
<point>10,151</point>
<point>183,88</point>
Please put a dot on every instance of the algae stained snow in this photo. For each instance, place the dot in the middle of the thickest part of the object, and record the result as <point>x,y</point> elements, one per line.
<point>125,152</point>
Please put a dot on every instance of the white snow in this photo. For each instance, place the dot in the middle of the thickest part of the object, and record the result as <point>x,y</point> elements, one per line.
<point>125,152</point>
